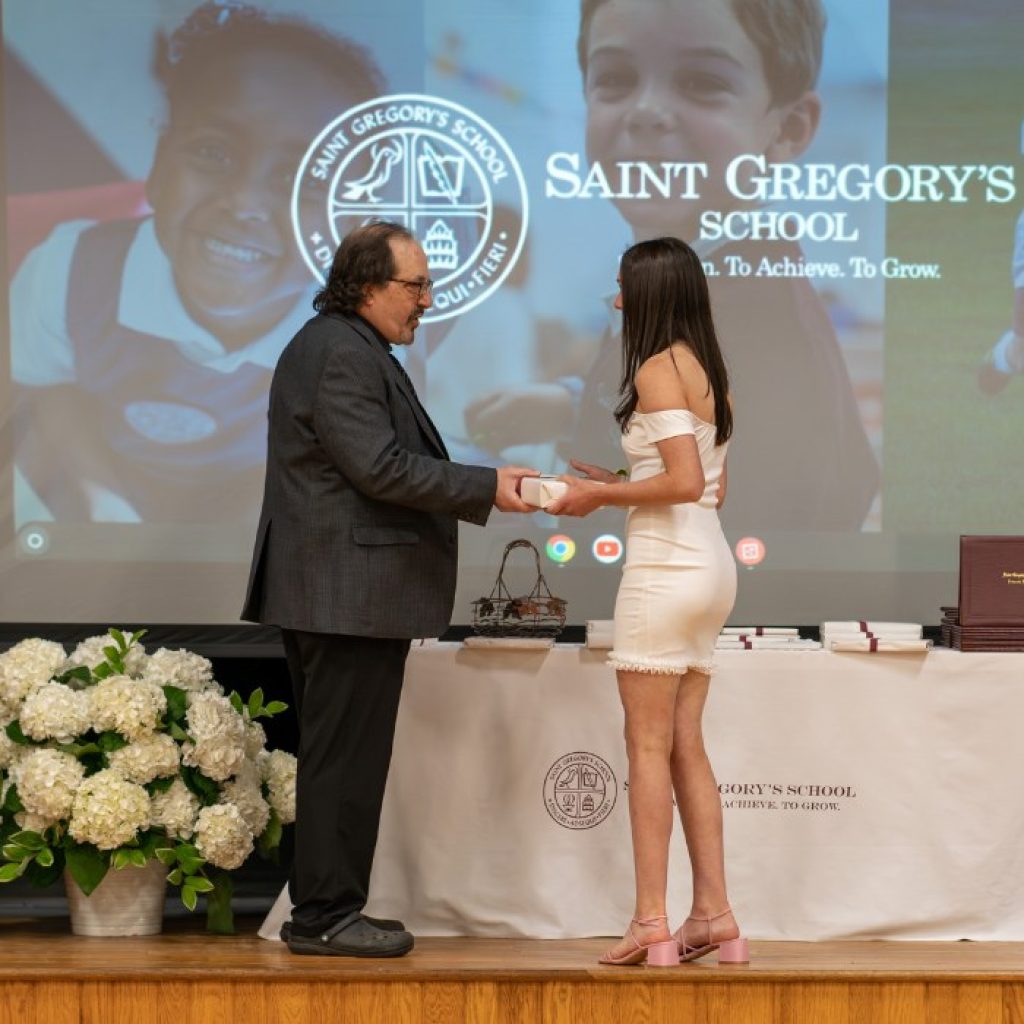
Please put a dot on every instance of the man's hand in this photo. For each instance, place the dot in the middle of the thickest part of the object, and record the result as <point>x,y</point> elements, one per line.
<point>507,499</point>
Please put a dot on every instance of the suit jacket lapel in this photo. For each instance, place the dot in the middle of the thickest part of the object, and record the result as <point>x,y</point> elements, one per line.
<point>396,373</point>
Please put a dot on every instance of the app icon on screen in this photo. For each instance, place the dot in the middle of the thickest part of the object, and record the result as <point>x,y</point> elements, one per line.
<point>750,550</point>
<point>561,548</point>
<point>607,548</point>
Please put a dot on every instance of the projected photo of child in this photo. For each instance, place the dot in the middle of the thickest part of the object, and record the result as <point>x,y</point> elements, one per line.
<point>143,345</point>
<point>705,81</point>
<point>1006,358</point>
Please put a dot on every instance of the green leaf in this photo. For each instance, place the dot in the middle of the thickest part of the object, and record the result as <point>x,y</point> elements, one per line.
<point>87,866</point>
<point>78,749</point>
<point>177,702</point>
<point>119,637</point>
<point>110,741</point>
<point>177,733</point>
<point>41,877</point>
<point>137,858</point>
<point>236,701</point>
<point>12,802</point>
<point>150,841</point>
<point>271,836</point>
<point>14,733</point>
<point>120,859</point>
<point>113,654</point>
<point>103,671</point>
<point>80,672</point>
<point>275,707</point>
<point>30,840</point>
<point>166,856</point>
<point>189,858</point>
<point>44,858</point>
<point>205,788</point>
<point>176,877</point>
<point>137,636</point>
<point>159,785</point>
<point>14,852</point>
<point>219,918</point>
<point>255,702</point>
<point>188,896</point>
<point>9,872</point>
<point>200,884</point>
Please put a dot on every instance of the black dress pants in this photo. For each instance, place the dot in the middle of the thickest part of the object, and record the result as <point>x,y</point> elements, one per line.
<point>346,691</point>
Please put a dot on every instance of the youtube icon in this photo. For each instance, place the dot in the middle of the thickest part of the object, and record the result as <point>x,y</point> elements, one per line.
<point>607,548</point>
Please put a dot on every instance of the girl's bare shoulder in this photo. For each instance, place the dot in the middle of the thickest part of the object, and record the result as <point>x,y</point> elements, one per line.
<point>660,384</point>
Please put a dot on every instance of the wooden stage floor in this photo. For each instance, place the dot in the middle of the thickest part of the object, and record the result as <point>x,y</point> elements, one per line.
<point>186,976</point>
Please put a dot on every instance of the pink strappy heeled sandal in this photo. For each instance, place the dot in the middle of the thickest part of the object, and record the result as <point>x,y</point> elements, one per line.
<point>732,951</point>
<point>656,954</point>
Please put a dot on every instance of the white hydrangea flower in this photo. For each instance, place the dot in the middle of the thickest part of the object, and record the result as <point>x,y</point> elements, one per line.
<point>216,759</point>
<point>218,734</point>
<point>222,836</point>
<point>246,793</point>
<point>182,669</point>
<point>9,750</point>
<point>55,712</point>
<point>175,810</point>
<point>152,756</point>
<point>279,769</point>
<point>255,739</point>
<point>128,706</point>
<point>108,810</point>
<point>24,667</point>
<point>33,822</point>
<point>47,782</point>
<point>90,653</point>
<point>211,716</point>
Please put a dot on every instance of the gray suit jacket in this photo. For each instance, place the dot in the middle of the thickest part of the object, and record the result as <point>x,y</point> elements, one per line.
<point>358,532</point>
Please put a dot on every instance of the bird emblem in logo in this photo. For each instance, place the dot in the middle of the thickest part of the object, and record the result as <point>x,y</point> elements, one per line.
<point>434,167</point>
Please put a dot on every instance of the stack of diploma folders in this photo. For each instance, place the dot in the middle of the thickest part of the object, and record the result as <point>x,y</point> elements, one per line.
<point>763,638</point>
<point>872,637</point>
<point>990,613</point>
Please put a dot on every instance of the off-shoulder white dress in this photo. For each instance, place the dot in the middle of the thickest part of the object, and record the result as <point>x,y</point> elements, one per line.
<point>679,577</point>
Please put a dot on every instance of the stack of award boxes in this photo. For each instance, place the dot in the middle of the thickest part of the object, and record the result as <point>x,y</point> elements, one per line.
<point>990,615</point>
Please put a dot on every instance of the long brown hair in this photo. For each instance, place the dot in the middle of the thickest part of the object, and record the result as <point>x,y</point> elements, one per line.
<point>665,300</point>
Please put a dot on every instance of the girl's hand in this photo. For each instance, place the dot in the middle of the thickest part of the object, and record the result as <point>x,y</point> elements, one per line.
<point>582,497</point>
<point>603,476</point>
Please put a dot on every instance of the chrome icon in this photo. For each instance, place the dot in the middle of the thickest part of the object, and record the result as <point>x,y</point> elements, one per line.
<point>560,548</point>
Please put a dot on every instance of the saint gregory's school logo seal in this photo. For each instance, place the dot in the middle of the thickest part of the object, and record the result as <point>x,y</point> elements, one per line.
<point>430,165</point>
<point>580,790</point>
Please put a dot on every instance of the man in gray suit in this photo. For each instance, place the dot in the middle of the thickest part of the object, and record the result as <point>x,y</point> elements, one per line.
<point>356,554</point>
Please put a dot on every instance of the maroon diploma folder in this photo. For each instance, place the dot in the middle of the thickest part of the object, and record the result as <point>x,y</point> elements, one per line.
<point>991,581</point>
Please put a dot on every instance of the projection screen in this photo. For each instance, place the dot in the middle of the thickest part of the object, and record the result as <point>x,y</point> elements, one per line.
<point>177,176</point>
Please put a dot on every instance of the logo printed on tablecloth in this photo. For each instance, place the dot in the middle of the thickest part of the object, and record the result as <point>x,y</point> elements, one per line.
<point>580,790</point>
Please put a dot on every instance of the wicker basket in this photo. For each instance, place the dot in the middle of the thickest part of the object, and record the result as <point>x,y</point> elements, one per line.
<point>537,614</point>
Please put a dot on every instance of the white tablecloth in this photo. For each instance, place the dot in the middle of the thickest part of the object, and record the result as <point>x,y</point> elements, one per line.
<point>865,796</point>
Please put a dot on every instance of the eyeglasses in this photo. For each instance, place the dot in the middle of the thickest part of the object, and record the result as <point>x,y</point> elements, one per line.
<point>421,287</point>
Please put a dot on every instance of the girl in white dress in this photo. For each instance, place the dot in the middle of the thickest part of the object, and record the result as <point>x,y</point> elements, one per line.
<point>678,587</point>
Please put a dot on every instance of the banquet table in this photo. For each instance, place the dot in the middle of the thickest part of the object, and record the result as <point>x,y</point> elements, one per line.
<point>864,795</point>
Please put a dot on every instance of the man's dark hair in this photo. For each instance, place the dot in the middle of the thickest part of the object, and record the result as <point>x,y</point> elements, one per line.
<point>213,30</point>
<point>364,258</point>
